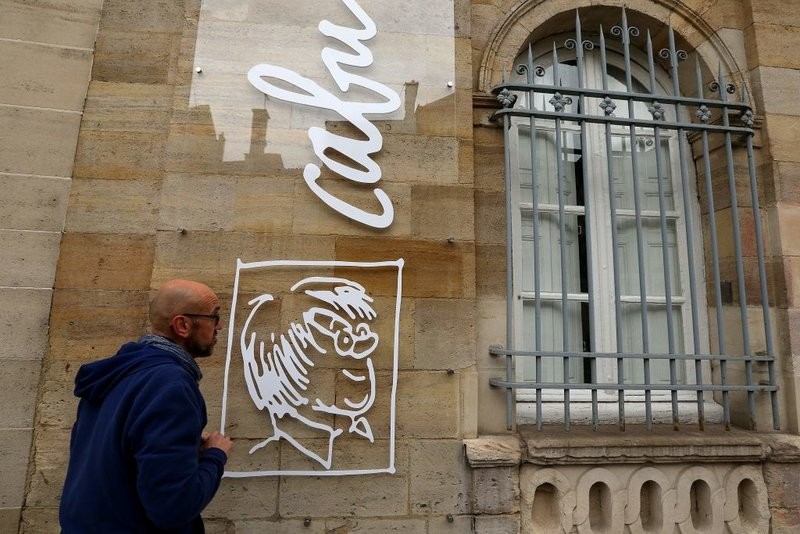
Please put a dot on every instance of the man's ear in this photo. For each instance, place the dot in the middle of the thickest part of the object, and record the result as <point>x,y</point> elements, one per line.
<point>182,326</point>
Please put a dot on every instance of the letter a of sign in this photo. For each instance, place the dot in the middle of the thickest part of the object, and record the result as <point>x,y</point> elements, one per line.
<point>311,94</point>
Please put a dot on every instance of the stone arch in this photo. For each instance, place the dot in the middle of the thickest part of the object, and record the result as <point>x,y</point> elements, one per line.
<point>683,506</point>
<point>525,21</point>
<point>583,504</point>
<point>759,514</point>
<point>531,478</point>
<point>633,508</point>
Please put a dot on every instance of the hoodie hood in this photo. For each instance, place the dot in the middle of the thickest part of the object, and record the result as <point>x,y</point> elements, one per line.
<point>96,379</point>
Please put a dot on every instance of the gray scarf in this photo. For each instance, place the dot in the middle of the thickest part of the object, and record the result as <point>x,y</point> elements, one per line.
<point>173,348</point>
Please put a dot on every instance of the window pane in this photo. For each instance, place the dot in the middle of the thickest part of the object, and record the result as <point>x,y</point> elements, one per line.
<point>552,339</point>
<point>653,257</point>
<point>658,341</point>
<point>547,167</point>
<point>550,253</point>
<point>646,172</point>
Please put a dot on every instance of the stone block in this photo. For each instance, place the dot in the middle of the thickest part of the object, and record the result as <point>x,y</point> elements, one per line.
<point>135,56</point>
<point>784,135</point>
<point>16,448</point>
<point>399,525</point>
<point>146,16</point>
<point>29,258</point>
<point>432,268</point>
<point>490,217</point>
<point>197,202</point>
<point>770,45</point>
<point>491,328</point>
<point>113,206</point>
<point>434,414</point>
<point>244,498</point>
<point>495,490</point>
<point>489,160</point>
<point>213,255</point>
<point>497,524</point>
<point>128,107</point>
<point>33,202</point>
<point>782,481</point>
<point>440,480</point>
<point>469,403</point>
<point>58,404</point>
<point>284,526</point>
<point>775,88</point>
<point>491,271</point>
<point>59,22</point>
<point>39,520</point>
<point>384,495</point>
<point>24,314</point>
<point>491,404</point>
<point>91,324</point>
<point>119,155</point>
<point>419,159</point>
<point>444,333</point>
<point>442,213</point>
<point>19,380</point>
<point>44,76</point>
<point>49,467</point>
<point>38,141</point>
<point>265,204</point>
<point>9,519</point>
<point>105,261</point>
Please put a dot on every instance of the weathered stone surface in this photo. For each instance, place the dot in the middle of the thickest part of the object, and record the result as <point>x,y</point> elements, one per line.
<point>442,213</point>
<point>427,405</point>
<point>440,480</point>
<point>23,315</point>
<point>59,22</point>
<point>37,141</point>
<point>432,268</point>
<point>134,57</point>
<point>213,256</point>
<point>244,498</point>
<point>493,451</point>
<point>495,490</point>
<point>444,333</point>
<point>50,458</point>
<point>90,324</point>
<point>40,520</point>
<point>33,202</point>
<point>387,495</point>
<point>772,45</point>
<point>113,206</point>
<point>43,76</point>
<point>29,258</point>
<point>18,383</point>
<point>497,524</point>
<point>105,261</point>
<point>9,518</point>
<point>16,445</point>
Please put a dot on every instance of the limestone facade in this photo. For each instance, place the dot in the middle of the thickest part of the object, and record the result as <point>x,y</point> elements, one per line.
<point>117,179</point>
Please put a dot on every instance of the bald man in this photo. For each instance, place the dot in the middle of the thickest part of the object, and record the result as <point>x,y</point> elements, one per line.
<point>139,458</point>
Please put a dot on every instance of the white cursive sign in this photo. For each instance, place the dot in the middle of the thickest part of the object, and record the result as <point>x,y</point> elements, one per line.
<point>312,94</point>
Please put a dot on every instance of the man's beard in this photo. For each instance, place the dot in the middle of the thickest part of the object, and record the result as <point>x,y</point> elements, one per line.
<point>199,350</point>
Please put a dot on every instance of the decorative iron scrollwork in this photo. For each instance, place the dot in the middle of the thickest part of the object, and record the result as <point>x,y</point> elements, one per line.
<point>617,31</point>
<point>559,101</point>
<point>538,70</point>
<point>681,55</point>
<point>714,87</point>
<point>657,110</point>
<point>572,43</point>
<point>747,118</point>
<point>608,106</point>
<point>703,113</point>
<point>506,98</point>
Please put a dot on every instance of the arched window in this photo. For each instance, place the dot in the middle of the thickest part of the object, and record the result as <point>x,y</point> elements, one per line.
<point>606,248</point>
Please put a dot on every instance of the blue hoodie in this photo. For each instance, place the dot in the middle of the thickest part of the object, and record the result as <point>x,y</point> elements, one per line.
<point>135,462</point>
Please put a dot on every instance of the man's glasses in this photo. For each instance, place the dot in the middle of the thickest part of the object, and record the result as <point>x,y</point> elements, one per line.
<point>215,317</point>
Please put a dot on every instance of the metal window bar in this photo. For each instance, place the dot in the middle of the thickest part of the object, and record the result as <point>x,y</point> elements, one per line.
<point>701,128</point>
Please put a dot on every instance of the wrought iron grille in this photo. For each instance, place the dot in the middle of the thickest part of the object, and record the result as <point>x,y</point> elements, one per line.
<point>550,114</point>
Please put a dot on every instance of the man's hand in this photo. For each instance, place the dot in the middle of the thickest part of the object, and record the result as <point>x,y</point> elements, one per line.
<point>216,440</point>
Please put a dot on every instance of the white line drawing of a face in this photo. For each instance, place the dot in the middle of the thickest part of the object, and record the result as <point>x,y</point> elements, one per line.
<point>276,366</point>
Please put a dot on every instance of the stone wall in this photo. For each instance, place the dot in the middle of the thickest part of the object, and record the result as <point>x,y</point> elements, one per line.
<point>46,52</point>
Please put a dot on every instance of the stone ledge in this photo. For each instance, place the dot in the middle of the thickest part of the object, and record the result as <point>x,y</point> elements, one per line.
<point>782,448</point>
<point>494,451</point>
<point>582,445</point>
